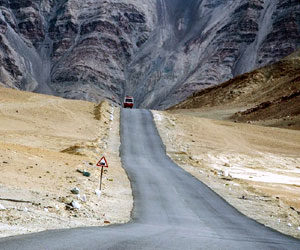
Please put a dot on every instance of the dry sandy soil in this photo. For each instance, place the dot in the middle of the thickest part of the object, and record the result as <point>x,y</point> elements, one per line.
<point>255,168</point>
<point>43,141</point>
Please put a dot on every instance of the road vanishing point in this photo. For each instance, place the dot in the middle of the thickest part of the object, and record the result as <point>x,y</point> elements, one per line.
<point>172,209</point>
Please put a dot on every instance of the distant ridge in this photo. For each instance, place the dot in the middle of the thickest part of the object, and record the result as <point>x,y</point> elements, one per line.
<point>268,93</point>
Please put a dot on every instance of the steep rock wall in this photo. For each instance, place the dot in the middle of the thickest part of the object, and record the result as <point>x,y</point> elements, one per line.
<point>159,51</point>
<point>209,42</point>
<point>75,49</point>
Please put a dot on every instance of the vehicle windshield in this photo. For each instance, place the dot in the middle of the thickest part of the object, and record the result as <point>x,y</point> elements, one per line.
<point>128,100</point>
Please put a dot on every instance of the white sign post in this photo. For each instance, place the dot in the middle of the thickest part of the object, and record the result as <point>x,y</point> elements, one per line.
<point>103,164</point>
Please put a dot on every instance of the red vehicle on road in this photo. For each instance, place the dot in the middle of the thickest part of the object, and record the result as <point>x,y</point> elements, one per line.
<point>128,102</point>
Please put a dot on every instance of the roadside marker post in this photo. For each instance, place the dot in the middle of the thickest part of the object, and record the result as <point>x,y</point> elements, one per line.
<point>103,164</point>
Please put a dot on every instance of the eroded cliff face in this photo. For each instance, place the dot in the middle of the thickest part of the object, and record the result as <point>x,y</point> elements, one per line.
<point>209,42</point>
<point>159,51</point>
<point>75,49</point>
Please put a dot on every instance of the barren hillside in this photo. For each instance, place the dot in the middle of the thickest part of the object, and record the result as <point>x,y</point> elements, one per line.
<point>269,96</point>
<point>44,140</point>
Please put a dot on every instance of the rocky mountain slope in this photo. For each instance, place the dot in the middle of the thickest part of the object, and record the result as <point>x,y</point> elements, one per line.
<point>269,94</point>
<point>75,49</point>
<point>159,51</point>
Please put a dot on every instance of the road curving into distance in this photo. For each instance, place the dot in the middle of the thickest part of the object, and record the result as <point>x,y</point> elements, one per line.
<point>172,209</point>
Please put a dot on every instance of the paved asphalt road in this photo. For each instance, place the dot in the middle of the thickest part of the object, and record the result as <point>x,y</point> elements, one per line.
<point>172,209</point>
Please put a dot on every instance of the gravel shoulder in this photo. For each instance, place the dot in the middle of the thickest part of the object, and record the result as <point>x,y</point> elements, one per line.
<point>256,169</point>
<point>44,140</point>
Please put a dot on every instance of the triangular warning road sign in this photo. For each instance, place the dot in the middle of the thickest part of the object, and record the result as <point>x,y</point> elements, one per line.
<point>102,163</point>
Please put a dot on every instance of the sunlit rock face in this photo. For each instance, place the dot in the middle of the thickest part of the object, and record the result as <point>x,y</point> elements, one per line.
<point>159,51</point>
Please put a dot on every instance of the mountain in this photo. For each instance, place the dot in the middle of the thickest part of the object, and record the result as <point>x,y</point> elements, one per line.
<point>159,51</point>
<point>75,49</point>
<point>269,95</point>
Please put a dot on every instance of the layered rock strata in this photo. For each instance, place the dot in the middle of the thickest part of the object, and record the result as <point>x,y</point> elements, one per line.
<point>159,51</point>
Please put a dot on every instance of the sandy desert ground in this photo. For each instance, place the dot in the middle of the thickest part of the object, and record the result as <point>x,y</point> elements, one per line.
<point>43,141</point>
<point>255,168</point>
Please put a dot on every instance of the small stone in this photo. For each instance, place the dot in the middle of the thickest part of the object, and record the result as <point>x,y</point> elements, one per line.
<point>226,173</point>
<point>46,209</point>
<point>25,209</point>
<point>75,190</point>
<point>289,224</point>
<point>86,174</point>
<point>64,200</point>
<point>76,205</point>
<point>98,193</point>
<point>2,207</point>
<point>83,198</point>
<point>298,228</point>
